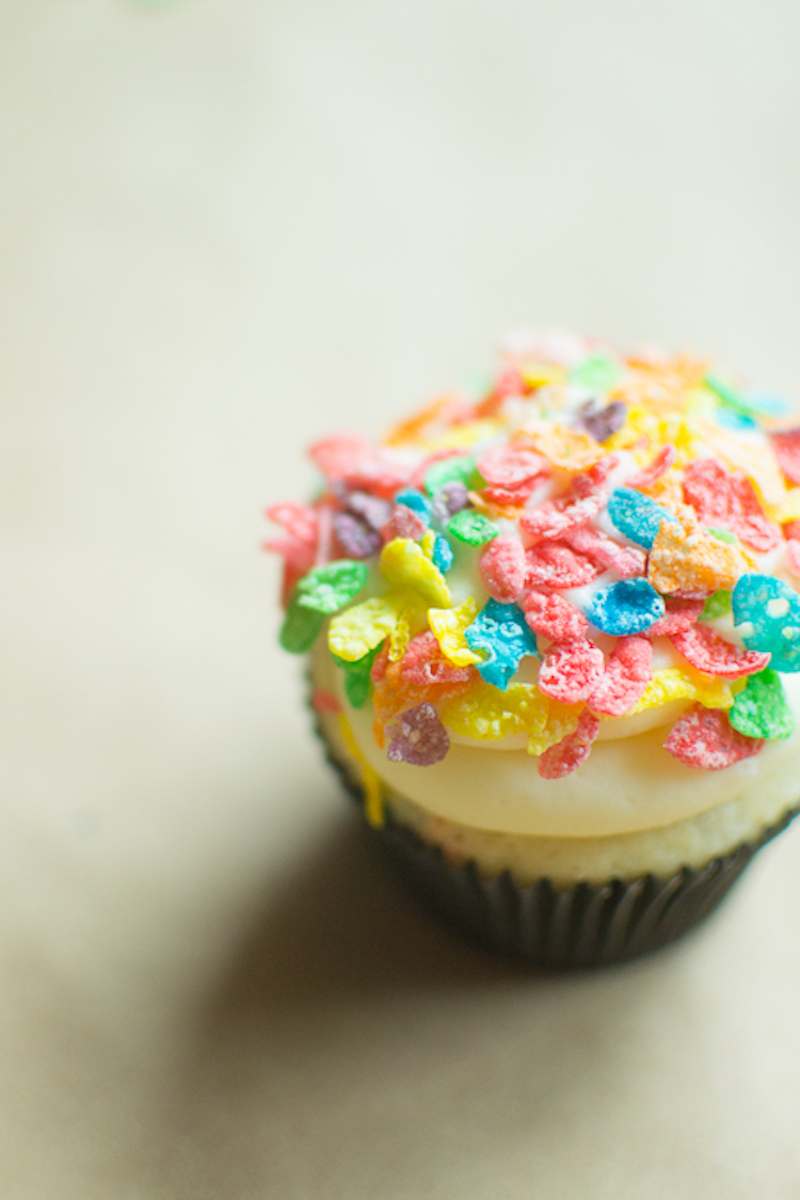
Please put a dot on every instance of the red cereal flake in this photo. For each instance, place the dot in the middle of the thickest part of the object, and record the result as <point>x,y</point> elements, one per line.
<point>587,494</point>
<point>728,499</point>
<point>705,739</point>
<point>644,479</point>
<point>298,521</point>
<point>503,568</point>
<point>553,616</point>
<point>571,670</point>
<point>793,556</point>
<point>680,616</point>
<point>424,664</point>
<point>555,565</point>
<point>403,523</point>
<point>573,750</point>
<point>787,451</point>
<point>298,547</point>
<point>630,561</point>
<point>626,676</point>
<point>324,701</point>
<point>509,466</point>
<point>706,651</point>
<point>792,529</point>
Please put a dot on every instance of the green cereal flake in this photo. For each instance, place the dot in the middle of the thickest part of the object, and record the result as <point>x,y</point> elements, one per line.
<point>717,605</point>
<point>598,373</point>
<point>762,710</point>
<point>459,469</point>
<point>472,527</point>
<point>300,627</point>
<point>733,398</point>
<point>327,589</point>
<point>722,535</point>
<point>357,677</point>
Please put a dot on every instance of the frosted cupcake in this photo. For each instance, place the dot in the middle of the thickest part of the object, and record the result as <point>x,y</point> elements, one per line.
<point>554,640</point>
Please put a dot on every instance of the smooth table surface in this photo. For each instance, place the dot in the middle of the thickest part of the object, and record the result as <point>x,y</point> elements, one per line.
<point>227,227</point>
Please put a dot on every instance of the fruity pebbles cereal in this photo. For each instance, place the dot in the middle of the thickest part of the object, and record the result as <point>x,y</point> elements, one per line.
<point>553,631</point>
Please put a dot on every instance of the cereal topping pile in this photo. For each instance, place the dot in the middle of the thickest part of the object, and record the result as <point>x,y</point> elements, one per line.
<point>592,537</point>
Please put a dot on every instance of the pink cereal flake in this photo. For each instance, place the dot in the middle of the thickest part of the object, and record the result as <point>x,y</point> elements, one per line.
<point>509,466</point>
<point>680,616</point>
<point>553,616</point>
<point>503,568</point>
<point>626,676</point>
<point>403,523</point>
<point>514,496</point>
<point>424,664</point>
<point>728,499</point>
<point>644,479</point>
<point>792,529</point>
<point>555,565</point>
<point>706,651</point>
<point>352,461</point>
<point>787,451</point>
<point>587,494</point>
<point>571,670</point>
<point>573,750</point>
<point>704,738</point>
<point>793,556</point>
<point>380,663</point>
<point>630,561</point>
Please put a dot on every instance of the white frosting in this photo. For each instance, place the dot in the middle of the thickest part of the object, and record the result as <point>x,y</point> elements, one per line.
<point>628,784</point>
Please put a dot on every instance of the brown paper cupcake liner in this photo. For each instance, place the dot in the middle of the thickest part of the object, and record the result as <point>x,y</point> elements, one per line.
<point>581,925</point>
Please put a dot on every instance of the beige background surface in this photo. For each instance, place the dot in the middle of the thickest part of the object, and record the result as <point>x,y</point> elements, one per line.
<point>225,227</point>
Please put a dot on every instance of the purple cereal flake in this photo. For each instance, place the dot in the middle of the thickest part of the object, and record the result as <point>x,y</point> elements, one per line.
<point>601,423</point>
<point>450,499</point>
<point>418,737</point>
<point>373,510</point>
<point>355,537</point>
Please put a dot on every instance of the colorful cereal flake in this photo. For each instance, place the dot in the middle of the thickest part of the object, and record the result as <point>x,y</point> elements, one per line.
<point>355,536</point>
<point>556,565</point>
<point>357,630</point>
<point>624,608</point>
<point>625,679</point>
<point>404,565</point>
<point>686,561</point>
<point>418,737</point>
<point>572,751</point>
<point>500,633</point>
<point>417,502</point>
<point>679,616</point>
<point>357,677</point>
<point>484,713</point>
<point>706,651</point>
<point>787,451</point>
<point>762,710</point>
<point>328,589</point>
<point>704,738</point>
<point>424,664</point>
<point>510,466</point>
<point>449,626</point>
<point>356,464</point>
<point>571,671</point>
<point>629,561</point>
<point>769,610</point>
<point>503,568</point>
<point>553,616</point>
<point>675,683</point>
<point>728,499</point>
<point>473,528</point>
<point>601,422</point>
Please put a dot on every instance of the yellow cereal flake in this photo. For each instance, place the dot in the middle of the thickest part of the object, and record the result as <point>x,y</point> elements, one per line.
<point>790,509</point>
<point>448,625</point>
<point>373,792</point>
<point>680,683</point>
<point>404,565</point>
<point>686,559</point>
<point>357,630</point>
<point>427,543</point>
<point>566,448</point>
<point>487,714</point>
<point>465,434</point>
<point>561,720</point>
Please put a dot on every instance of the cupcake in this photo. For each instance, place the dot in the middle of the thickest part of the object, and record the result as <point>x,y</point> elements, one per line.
<point>553,641</point>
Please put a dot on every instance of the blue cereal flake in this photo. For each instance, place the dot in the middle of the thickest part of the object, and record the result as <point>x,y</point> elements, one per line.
<point>442,554</point>
<point>630,606</point>
<point>415,500</point>
<point>636,516</point>
<point>770,611</point>
<point>501,632</point>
